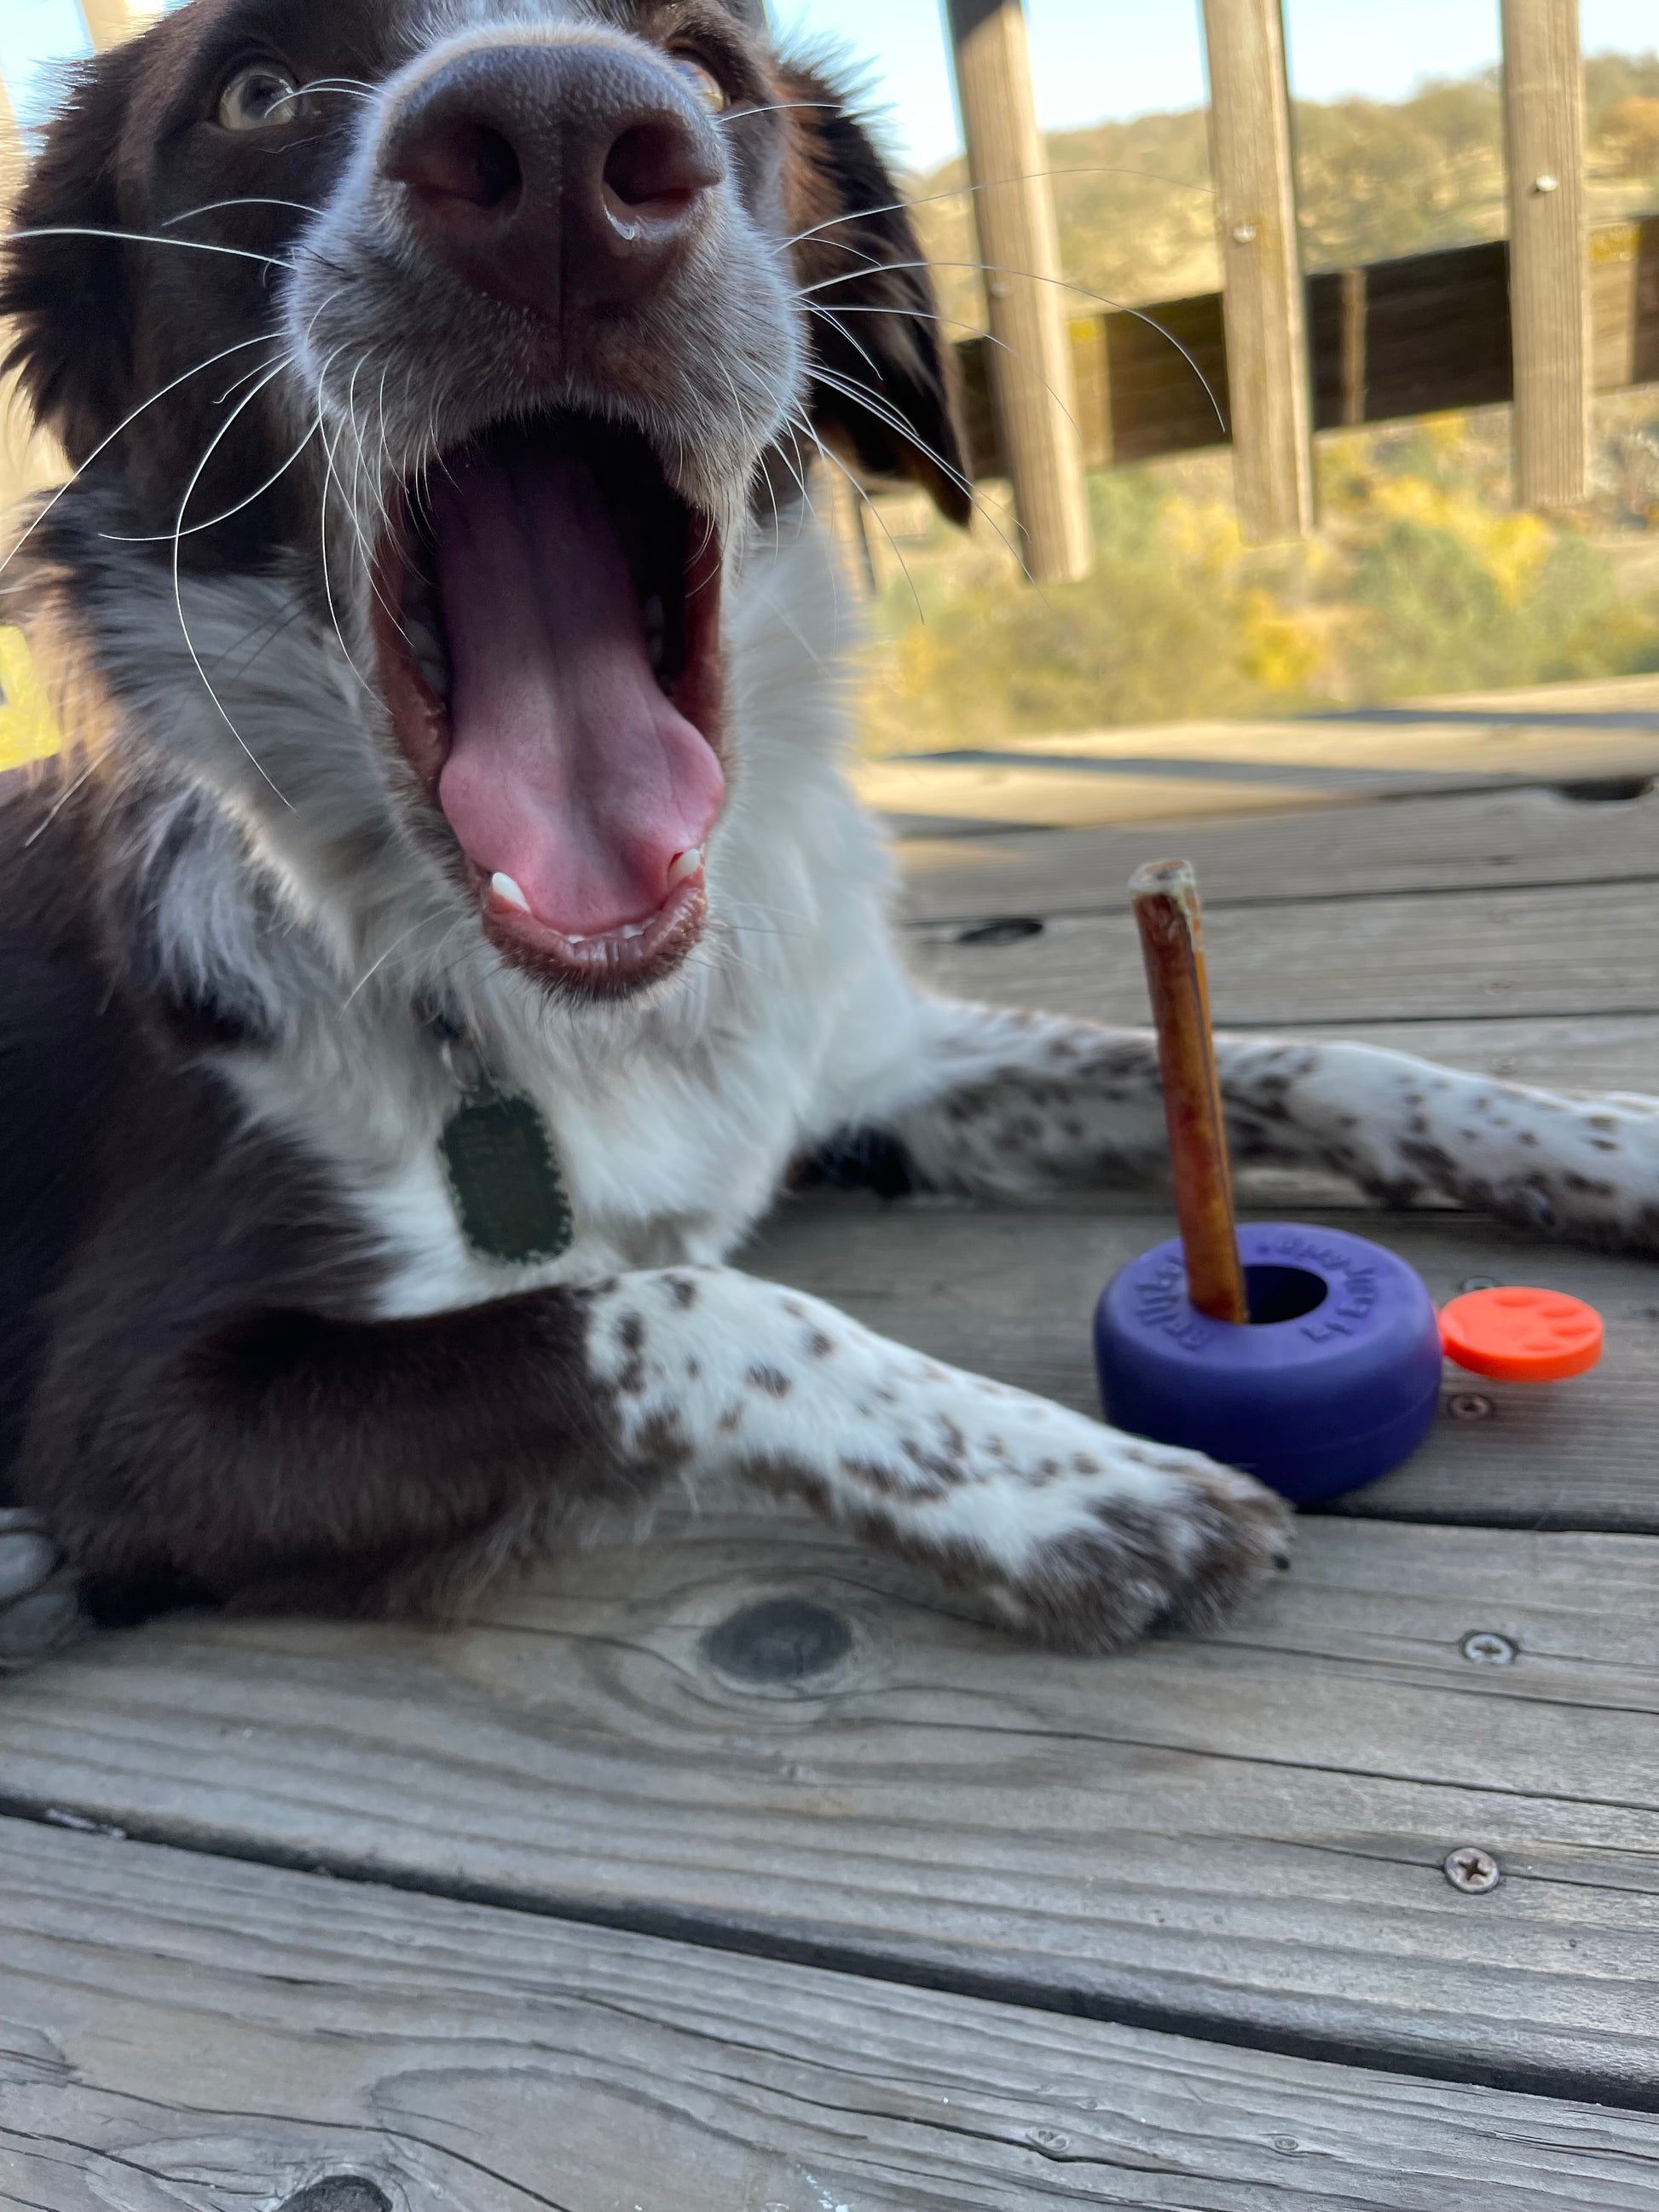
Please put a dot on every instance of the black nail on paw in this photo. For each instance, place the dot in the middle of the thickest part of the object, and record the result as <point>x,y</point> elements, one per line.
<point>779,1643</point>
<point>340,2193</point>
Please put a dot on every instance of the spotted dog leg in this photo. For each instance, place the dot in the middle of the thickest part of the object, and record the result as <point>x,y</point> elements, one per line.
<point>39,1612</point>
<point>1585,1168</point>
<point>1078,1535</point>
<point>1021,1105</point>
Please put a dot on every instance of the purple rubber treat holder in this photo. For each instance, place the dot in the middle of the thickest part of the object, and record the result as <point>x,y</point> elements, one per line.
<point>1335,1382</point>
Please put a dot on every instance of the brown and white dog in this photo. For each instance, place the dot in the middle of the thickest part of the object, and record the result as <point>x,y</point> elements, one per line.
<point>453,670</point>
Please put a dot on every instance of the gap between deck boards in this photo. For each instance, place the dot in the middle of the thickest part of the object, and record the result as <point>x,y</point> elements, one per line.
<point>270,2030</point>
<point>700,1931</point>
<point>1109,903</point>
<point>1237,1839</point>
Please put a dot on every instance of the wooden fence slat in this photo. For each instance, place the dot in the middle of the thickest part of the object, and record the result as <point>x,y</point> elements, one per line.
<point>27,459</point>
<point>1256,206</point>
<point>1032,373</point>
<point>1428,332</point>
<point>1433,333</point>
<point>109,21</point>
<point>1544,119</point>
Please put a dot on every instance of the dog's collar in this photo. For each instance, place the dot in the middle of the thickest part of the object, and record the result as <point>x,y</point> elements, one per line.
<point>498,1158</point>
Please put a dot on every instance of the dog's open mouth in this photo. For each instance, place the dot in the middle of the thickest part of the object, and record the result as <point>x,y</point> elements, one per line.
<point>547,621</point>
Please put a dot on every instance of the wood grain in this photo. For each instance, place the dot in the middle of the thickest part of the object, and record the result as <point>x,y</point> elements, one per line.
<point>1549,286</point>
<point>1337,963</point>
<point>1526,837</point>
<point>1624,278</point>
<point>191,2033</point>
<point>1243,1835</point>
<point>109,21</point>
<point>27,459</point>
<point>1014,212</point>
<point>1254,173</point>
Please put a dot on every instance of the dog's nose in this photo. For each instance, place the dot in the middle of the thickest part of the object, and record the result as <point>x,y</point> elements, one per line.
<point>556,176</point>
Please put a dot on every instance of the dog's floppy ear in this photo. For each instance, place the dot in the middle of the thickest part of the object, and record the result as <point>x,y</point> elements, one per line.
<point>874,316</point>
<point>64,296</point>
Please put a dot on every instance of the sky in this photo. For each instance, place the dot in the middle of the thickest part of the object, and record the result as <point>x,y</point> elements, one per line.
<point>1091,58</point>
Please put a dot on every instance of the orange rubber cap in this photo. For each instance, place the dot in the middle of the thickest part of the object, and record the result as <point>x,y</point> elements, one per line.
<point>1521,1336</point>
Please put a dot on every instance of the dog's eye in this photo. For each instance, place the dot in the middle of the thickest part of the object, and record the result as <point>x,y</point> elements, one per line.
<point>703,82</point>
<point>257,98</point>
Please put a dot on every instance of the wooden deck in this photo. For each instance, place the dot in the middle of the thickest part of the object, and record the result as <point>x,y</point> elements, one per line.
<point>728,1872</point>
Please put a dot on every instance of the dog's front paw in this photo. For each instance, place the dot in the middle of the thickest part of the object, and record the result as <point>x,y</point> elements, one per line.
<point>38,1610</point>
<point>1178,1552</point>
<point>1077,1535</point>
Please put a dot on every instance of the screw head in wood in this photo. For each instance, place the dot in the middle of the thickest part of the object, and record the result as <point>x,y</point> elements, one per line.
<point>1244,233</point>
<point>1469,1405</point>
<point>1473,1870</point>
<point>1483,1647</point>
<point>1547,184</point>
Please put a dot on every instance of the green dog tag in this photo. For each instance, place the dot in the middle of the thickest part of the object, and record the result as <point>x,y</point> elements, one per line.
<point>504,1176</point>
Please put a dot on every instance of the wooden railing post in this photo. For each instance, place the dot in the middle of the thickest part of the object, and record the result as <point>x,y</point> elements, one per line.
<point>1549,286</point>
<point>18,471</point>
<point>1014,219</point>
<point>11,149</point>
<point>1262,278</point>
<point>109,21</point>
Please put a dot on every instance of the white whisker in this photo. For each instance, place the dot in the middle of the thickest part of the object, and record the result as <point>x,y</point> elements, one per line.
<point>835,461</point>
<point>104,444</point>
<point>1060,284</point>
<point>244,199</point>
<point>149,238</point>
<point>178,588</point>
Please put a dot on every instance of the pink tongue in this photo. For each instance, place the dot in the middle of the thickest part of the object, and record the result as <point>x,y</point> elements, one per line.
<point>567,770</point>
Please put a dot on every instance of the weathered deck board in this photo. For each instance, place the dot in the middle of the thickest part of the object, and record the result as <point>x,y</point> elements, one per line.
<point>1243,1835</point>
<point>1583,1052</point>
<point>1011,1294</point>
<point>1332,963</point>
<point>1527,837</point>
<point>189,2033</point>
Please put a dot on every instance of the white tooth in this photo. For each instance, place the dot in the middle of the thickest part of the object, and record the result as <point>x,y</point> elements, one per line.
<point>684,865</point>
<point>509,892</point>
